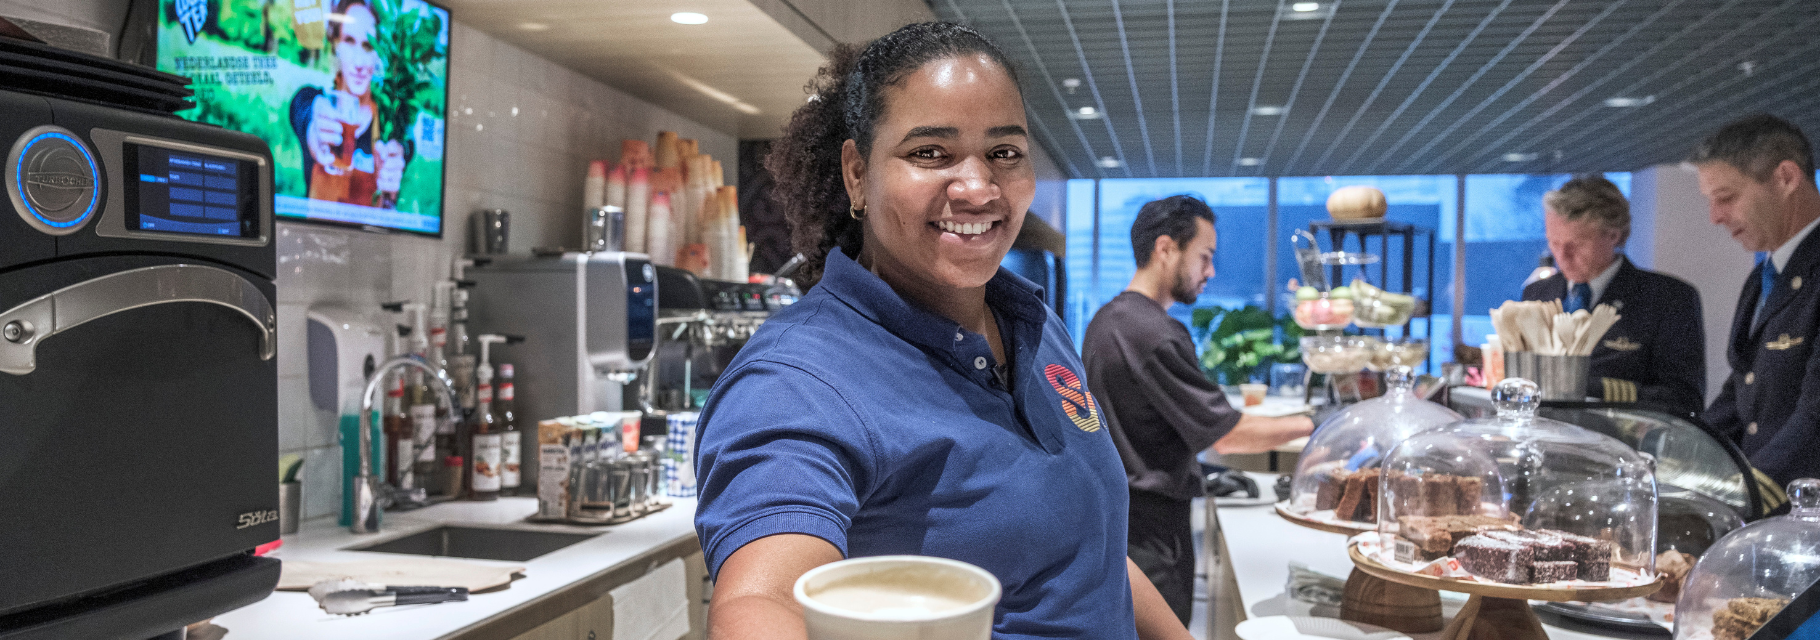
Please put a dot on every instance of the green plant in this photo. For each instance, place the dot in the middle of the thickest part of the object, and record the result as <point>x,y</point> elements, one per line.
<point>1236,343</point>
<point>409,48</point>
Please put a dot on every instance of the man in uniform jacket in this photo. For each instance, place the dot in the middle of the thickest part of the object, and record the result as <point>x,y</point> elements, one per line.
<point>1758,178</point>
<point>1656,353</point>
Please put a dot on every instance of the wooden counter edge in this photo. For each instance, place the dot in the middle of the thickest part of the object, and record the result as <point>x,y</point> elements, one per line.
<point>524,618</point>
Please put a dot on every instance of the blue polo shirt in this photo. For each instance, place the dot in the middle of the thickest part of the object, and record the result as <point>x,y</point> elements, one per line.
<point>859,418</point>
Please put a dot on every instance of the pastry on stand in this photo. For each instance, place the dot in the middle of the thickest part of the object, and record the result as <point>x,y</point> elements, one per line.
<point>1336,486</point>
<point>1510,509</point>
<point>1496,611</point>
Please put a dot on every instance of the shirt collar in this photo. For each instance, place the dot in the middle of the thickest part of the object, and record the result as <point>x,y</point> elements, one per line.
<point>1782,254</point>
<point>1601,281</point>
<point>861,289</point>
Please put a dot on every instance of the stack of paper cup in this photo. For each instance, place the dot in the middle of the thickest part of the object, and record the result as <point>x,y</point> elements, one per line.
<point>898,598</point>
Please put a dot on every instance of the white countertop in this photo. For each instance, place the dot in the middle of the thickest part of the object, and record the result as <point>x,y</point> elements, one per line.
<point>287,615</point>
<point>1261,544</point>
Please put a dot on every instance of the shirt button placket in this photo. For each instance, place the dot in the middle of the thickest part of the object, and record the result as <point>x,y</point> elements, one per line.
<point>979,362</point>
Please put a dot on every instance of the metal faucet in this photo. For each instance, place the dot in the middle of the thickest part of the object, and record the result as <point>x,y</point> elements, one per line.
<point>366,487</point>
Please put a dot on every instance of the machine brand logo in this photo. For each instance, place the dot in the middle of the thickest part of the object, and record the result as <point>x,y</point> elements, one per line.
<point>56,179</point>
<point>1076,401</point>
<point>256,518</point>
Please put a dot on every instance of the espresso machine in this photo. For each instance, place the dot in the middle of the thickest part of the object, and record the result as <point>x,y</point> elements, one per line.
<point>588,320</point>
<point>701,325</point>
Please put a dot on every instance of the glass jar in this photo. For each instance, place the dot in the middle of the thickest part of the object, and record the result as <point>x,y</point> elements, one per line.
<point>1519,499</point>
<point>1346,451</point>
<point>1749,575</point>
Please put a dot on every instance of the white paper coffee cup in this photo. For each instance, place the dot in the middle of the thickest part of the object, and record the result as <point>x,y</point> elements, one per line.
<point>898,598</point>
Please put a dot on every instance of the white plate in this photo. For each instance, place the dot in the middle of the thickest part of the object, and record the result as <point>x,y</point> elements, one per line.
<point>1266,497</point>
<point>1308,627</point>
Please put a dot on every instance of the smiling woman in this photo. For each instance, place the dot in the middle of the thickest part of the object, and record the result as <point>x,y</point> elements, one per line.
<point>919,399</point>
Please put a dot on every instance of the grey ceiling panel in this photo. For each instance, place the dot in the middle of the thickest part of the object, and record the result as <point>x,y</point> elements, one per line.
<point>1184,87</point>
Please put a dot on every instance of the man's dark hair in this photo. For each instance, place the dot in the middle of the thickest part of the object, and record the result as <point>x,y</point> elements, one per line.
<point>1173,216</point>
<point>1755,145</point>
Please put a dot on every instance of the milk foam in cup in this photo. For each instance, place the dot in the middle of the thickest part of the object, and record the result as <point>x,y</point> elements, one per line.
<point>898,598</point>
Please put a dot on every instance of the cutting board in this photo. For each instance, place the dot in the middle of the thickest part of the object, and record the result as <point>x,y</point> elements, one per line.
<point>424,572</point>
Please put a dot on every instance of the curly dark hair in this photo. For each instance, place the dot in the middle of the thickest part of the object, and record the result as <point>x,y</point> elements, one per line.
<point>846,102</point>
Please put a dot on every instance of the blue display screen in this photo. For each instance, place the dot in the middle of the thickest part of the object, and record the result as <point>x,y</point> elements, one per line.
<point>183,192</point>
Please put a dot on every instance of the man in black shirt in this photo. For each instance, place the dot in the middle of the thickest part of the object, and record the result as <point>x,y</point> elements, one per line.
<point>1141,365</point>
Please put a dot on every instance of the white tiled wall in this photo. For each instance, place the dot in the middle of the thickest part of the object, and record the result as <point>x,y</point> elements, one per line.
<point>530,162</point>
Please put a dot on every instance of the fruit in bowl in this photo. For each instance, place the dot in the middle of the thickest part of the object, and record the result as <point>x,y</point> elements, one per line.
<point>1324,310</point>
<point>1377,308</point>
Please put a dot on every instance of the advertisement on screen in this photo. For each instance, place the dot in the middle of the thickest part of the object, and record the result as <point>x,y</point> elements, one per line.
<point>350,94</point>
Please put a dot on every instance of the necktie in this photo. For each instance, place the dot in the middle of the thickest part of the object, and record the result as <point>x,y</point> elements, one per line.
<point>1768,274</point>
<point>1578,297</point>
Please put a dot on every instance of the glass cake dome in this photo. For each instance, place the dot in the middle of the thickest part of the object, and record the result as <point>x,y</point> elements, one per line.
<point>1518,499</point>
<point>1336,479</point>
<point>1749,575</point>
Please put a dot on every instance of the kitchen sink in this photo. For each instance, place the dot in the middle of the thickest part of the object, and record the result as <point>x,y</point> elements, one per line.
<point>515,545</point>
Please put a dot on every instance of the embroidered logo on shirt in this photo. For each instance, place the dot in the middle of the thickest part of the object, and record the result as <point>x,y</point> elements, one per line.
<point>1077,402</point>
<point>1623,343</point>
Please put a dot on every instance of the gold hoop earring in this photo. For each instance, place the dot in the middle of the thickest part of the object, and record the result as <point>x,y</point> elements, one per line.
<point>857,213</point>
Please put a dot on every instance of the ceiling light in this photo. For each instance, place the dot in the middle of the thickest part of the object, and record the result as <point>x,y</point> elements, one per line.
<point>1071,83</point>
<point>1109,162</point>
<point>1519,157</point>
<point>1267,110</point>
<point>1305,7</point>
<point>1250,162</point>
<point>1085,113</point>
<point>688,17</point>
<point>1088,111</point>
<point>533,26</point>
<point>1622,102</point>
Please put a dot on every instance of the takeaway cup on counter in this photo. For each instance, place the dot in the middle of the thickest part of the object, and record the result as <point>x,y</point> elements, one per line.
<point>898,598</point>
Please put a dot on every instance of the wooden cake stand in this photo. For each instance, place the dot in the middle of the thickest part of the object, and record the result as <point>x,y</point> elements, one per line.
<point>1494,611</point>
<point>1374,600</point>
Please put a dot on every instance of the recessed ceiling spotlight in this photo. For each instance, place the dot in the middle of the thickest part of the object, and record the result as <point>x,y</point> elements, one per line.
<point>1109,162</point>
<point>1267,110</point>
<point>1086,113</point>
<point>1305,7</point>
<point>688,17</point>
<point>1622,102</point>
<point>533,26</point>
<point>1519,157</point>
<point>1250,162</point>
<point>1071,83</point>
<point>1748,67</point>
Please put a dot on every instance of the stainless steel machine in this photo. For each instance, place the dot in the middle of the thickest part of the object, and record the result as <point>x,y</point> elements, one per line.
<point>701,325</point>
<point>589,323</point>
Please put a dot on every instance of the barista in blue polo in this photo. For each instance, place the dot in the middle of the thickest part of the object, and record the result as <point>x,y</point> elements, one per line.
<point>918,399</point>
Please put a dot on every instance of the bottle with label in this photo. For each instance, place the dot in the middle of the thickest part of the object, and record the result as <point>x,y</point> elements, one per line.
<point>397,429</point>
<point>486,444</point>
<point>423,405</point>
<point>483,482</point>
<point>509,437</point>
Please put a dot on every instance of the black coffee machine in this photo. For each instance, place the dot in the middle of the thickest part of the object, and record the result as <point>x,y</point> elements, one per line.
<point>138,387</point>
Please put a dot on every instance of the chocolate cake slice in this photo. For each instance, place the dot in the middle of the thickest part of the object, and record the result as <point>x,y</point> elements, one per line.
<point>1548,547</point>
<point>1593,555</point>
<point>1359,502</point>
<point>1554,571</point>
<point>1495,560</point>
<point>1440,495</point>
<point>1466,496</point>
<point>1328,488</point>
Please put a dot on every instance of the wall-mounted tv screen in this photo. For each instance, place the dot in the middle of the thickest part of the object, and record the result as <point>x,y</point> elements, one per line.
<point>350,94</point>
